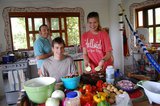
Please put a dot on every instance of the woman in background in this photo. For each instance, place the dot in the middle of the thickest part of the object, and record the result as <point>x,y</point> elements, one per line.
<point>97,49</point>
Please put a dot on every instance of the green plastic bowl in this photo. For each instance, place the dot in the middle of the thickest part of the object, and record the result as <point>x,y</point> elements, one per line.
<point>39,89</point>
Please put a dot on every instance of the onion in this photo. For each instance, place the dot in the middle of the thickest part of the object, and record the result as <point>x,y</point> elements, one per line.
<point>52,102</point>
<point>58,94</point>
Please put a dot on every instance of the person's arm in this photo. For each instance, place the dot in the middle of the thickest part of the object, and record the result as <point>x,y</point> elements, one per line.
<point>85,57</point>
<point>105,58</point>
<point>44,56</point>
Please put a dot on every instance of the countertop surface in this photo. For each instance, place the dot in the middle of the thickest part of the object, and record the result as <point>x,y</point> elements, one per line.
<point>76,57</point>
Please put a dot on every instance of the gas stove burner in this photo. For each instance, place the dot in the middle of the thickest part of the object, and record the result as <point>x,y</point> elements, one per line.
<point>20,64</point>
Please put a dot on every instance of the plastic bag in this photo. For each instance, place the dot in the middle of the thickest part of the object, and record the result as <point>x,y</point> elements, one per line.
<point>123,100</point>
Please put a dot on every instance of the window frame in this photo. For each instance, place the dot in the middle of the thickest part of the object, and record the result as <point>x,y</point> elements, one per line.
<point>7,10</point>
<point>145,19</point>
<point>44,15</point>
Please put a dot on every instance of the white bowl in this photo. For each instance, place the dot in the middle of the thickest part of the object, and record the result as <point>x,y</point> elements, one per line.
<point>152,90</point>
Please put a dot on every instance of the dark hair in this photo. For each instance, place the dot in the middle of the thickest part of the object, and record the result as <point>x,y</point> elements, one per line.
<point>58,40</point>
<point>94,15</point>
<point>42,26</point>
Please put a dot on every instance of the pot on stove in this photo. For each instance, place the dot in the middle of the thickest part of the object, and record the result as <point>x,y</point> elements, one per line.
<point>5,59</point>
<point>11,58</point>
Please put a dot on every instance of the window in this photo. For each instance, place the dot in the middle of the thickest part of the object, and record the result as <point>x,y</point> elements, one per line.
<point>30,18</point>
<point>149,17</point>
<point>25,27</point>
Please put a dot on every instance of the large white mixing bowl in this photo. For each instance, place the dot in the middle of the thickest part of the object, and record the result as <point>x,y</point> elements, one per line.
<point>152,90</point>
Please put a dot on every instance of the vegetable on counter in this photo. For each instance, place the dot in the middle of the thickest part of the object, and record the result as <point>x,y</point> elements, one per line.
<point>86,98</point>
<point>103,103</point>
<point>52,102</point>
<point>98,97</point>
<point>58,94</point>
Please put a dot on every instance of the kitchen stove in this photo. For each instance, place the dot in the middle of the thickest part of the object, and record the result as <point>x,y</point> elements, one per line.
<point>12,94</point>
<point>20,64</point>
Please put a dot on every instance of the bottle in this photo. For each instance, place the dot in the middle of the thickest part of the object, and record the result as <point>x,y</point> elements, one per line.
<point>72,99</point>
<point>110,74</point>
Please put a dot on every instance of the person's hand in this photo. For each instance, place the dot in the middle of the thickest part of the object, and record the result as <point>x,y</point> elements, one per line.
<point>39,72</point>
<point>86,63</point>
<point>101,63</point>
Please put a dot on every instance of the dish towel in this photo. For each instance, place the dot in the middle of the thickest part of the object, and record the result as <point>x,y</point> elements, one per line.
<point>16,79</point>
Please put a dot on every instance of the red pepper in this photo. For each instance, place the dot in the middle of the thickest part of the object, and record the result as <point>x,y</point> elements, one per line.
<point>88,97</point>
<point>104,84</point>
<point>94,89</point>
<point>91,103</point>
<point>88,88</point>
<point>99,83</point>
<point>81,90</point>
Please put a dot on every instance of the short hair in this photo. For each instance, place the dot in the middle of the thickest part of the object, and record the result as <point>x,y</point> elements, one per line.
<point>58,40</point>
<point>42,26</point>
<point>93,15</point>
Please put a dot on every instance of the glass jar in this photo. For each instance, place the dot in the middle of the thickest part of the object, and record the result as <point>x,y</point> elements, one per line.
<point>72,99</point>
<point>110,74</point>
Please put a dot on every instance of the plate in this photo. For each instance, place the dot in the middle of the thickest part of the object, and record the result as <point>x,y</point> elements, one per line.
<point>127,84</point>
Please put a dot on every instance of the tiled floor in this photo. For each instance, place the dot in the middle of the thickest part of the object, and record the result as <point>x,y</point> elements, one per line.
<point>4,103</point>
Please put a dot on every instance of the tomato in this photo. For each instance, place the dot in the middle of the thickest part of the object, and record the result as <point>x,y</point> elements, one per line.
<point>81,90</point>
<point>99,83</point>
<point>88,88</point>
<point>88,97</point>
<point>94,88</point>
<point>99,89</point>
<point>91,103</point>
<point>104,84</point>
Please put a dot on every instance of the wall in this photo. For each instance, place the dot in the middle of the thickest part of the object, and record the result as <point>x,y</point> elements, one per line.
<point>100,6</point>
<point>115,34</point>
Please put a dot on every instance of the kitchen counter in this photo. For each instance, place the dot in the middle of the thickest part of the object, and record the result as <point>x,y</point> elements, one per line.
<point>76,57</point>
<point>145,103</point>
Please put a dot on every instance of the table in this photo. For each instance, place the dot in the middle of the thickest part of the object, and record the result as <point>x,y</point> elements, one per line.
<point>145,103</point>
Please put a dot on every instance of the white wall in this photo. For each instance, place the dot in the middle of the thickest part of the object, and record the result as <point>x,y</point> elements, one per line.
<point>115,34</point>
<point>101,6</point>
<point>127,4</point>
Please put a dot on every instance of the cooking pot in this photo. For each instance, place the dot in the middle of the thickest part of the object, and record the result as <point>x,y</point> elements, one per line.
<point>11,56</point>
<point>5,59</point>
<point>152,90</point>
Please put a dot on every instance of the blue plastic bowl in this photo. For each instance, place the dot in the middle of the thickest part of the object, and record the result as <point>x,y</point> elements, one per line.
<point>71,83</point>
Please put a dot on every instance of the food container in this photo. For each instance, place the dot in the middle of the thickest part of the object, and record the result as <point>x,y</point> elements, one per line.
<point>11,58</point>
<point>5,59</point>
<point>71,83</point>
<point>39,89</point>
<point>126,84</point>
<point>152,90</point>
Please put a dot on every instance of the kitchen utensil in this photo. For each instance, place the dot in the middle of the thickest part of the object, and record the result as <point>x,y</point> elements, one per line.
<point>5,59</point>
<point>134,81</point>
<point>39,89</point>
<point>152,90</point>
<point>71,83</point>
<point>12,58</point>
